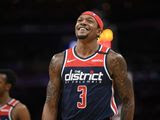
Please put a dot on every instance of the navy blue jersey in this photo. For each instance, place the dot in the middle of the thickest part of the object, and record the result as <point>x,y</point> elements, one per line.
<point>87,91</point>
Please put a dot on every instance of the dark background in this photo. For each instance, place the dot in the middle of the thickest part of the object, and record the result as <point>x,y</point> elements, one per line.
<point>32,31</point>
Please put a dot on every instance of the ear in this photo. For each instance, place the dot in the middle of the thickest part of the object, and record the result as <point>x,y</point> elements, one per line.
<point>8,87</point>
<point>99,31</point>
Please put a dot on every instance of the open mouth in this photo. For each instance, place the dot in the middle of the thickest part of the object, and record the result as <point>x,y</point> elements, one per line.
<point>82,28</point>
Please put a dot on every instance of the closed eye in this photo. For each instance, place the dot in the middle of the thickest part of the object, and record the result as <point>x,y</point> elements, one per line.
<point>90,21</point>
<point>79,20</point>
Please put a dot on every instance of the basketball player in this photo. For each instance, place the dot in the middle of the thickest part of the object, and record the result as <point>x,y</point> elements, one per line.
<point>83,78</point>
<point>10,108</point>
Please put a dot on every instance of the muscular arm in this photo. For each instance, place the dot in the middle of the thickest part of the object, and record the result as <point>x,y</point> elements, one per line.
<point>122,84</point>
<point>20,112</point>
<point>53,89</point>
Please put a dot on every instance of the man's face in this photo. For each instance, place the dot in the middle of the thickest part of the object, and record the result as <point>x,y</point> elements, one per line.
<point>3,83</point>
<point>86,26</point>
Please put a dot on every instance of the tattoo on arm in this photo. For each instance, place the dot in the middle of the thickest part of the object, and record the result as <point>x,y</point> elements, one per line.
<point>124,87</point>
<point>53,84</point>
<point>50,91</point>
<point>50,87</point>
<point>50,110</point>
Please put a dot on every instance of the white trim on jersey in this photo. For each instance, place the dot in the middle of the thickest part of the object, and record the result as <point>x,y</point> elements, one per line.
<point>84,59</point>
<point>65,59</point>
<point>9,113</point>
<point>11,101</point>
<point>105,66</point>
<point>1,107</point>
<point>14,104</point>
<point>113,104</point>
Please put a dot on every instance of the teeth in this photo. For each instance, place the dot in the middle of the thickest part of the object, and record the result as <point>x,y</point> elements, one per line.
<point>83,29</point>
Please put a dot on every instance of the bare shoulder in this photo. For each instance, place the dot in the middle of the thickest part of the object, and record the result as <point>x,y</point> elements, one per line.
<point>114,56</point>
<point>58,57</point>
<point>115,60</point>
<point>56,61</point>
<point>20,112</point>
<point>20,107</point>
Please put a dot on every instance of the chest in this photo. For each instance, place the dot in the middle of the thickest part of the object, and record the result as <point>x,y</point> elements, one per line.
<point>5,112</point>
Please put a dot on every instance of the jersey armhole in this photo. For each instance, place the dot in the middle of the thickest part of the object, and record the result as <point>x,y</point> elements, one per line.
<point>12,108</point>
<point>64,62</point>
<point>106,65</point>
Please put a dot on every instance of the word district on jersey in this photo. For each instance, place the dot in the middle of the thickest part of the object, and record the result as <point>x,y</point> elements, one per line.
<point>80,77</point>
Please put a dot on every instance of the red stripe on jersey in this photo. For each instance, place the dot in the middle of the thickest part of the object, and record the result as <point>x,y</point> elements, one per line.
<point>96,60</point>
<point>77,63</point>
<point>114,106</point>
<point>5,109</point>
<point>14,102</point>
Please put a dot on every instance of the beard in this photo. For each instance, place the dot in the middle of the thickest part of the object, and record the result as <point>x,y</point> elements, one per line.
<point>81,37</point>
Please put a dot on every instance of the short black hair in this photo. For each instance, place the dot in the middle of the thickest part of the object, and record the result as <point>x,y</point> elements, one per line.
<point>11,76</point>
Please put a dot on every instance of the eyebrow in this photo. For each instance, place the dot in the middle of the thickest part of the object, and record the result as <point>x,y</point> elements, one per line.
<point>89,18</point>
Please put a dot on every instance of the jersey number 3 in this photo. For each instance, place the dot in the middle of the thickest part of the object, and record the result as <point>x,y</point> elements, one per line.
<point>83,96</point>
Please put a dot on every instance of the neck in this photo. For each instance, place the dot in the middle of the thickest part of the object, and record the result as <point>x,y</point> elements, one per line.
<point>4,98</point>
<point>85,49</point>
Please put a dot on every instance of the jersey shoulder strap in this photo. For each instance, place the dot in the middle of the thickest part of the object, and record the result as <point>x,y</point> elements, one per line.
<point>104,50</point>
<point>13,102</point>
